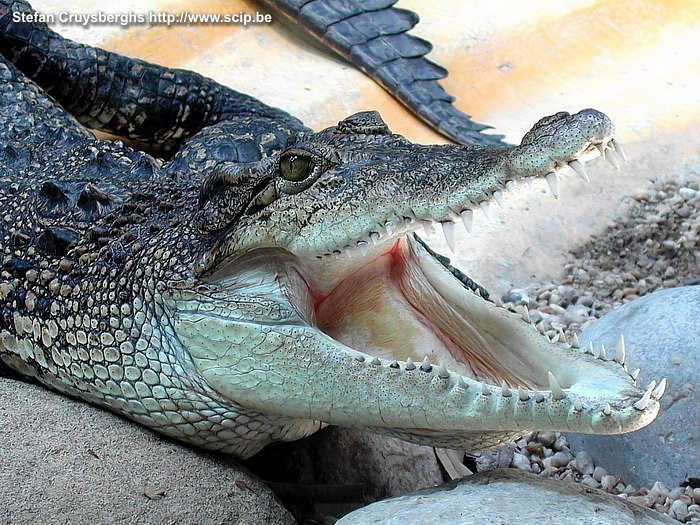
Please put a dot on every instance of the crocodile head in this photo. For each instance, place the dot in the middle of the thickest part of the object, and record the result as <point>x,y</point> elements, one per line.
<point>316,301</point>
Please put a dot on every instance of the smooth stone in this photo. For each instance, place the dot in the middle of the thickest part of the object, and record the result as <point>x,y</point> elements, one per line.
<point>516,296</point>
<point>506,497</point>
<point>608,482</point>
<point>63,461</point>
<point>599,473</point>
<point>662,336</point>
<point>584,464</point>
<point>678,510</point>
<point>561,459</point>
<point>590,482</point>
<point>520,462</point>
<point>546,438</point>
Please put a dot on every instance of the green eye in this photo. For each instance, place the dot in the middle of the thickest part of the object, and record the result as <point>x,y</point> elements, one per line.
<point>295,167</point>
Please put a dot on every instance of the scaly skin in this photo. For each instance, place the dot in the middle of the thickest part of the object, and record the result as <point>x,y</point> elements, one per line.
<point>230,305</point>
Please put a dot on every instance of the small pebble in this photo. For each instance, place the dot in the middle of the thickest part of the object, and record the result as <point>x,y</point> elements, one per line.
<point>546,438</point>
<point>520,462</point>
<point>598,473</point>
<point>561,459</point>
<point>590,482</point>
<point>584,464</point>
<point>660,490</point>
<point>608,482</point>
<point>560,443</point>
<point>687,193</point>
<point>630,489</point>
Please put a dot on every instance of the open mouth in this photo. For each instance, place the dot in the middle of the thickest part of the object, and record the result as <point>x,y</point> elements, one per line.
<point>406,305</point>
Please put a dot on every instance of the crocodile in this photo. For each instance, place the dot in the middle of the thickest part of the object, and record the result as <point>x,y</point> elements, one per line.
<point>265,281</point>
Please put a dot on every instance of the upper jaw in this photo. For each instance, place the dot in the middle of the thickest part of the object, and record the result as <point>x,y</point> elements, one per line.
<point>365,200</point>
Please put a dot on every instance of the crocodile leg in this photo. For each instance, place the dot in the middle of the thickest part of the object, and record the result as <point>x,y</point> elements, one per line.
<point>120,95</point>
<point>373,36</point>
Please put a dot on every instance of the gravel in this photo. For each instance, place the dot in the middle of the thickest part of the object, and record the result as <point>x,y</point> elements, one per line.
<point>655,246</point>
<point>535,453</point>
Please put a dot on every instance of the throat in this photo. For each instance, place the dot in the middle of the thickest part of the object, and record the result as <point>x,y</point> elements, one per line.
<point>370,312</point>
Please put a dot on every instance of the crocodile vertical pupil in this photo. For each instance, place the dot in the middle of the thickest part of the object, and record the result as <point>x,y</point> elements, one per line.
<point>295,167</point>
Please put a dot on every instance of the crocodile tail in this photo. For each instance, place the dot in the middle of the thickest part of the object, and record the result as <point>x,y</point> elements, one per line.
<point>373,36</point>
<point>131,98</point>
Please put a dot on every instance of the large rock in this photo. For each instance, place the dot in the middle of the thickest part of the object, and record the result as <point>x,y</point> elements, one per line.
<point>338,470</point>
<point>62,461</point>
<point>506,497</point>
<point>662,333</point>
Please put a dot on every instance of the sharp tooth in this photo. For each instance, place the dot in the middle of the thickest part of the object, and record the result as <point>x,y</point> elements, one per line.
<point>485,390</point>
<point>578,406</point>
<point>484,205</point>
<point>652,385</point>
<point>410,365</point>
<point>374,237</point>
<point>607,410</point>
<point>442,371</point>
<point>524,396</point>
<point>557,392</point>
<point>539,397</point>
<point>389,228</point>
<point>510,186</point>
<point>642,403</point>
<point>497,300</point>
<point>620,350</point>
<point>562,336</point>
<point>362,245</point>
<point>580,171</point>
<point>425,365</point>
<point>635,374</point>
<point>601,149</point>
<point>575,343</point>
<point>347,250</point>
<point>394,364</point>
<point>540,327</point>
<point>526,314</point>
<point>618,149</point>
<point>659,389</point>
<point>589,349</point>
<point>613,159</point>
<point>553,182</point>
<point>360,358</point>
<point>498,197</point>
<point>602,355</point>
<point>428,227</point>
<point>461,383</point>
<point>467,219</point>
<point>448,229</point>
<point>505,391</point>
<point>376,361</point>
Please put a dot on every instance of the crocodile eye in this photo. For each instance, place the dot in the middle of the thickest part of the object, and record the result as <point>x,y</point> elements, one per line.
<point>295,167</point>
